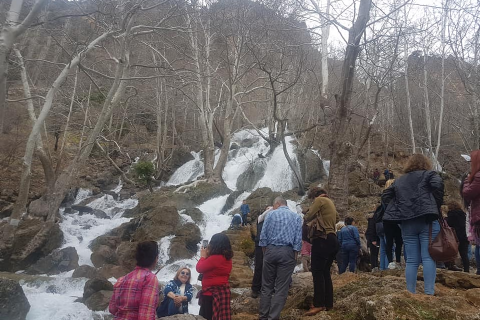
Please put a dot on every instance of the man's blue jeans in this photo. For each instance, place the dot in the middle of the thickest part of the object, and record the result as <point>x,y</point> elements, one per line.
<point>383,254</point>
<point>415,235</point>
<point>349,257</point>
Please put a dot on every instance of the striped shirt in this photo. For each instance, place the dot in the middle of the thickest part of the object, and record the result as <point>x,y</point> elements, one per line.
<point>135,296</point>
<point>282,227</point>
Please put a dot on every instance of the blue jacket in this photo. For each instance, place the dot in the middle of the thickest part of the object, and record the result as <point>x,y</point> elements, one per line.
<point>348,235</point>
<point>167,308</point>
<point>245,209</point>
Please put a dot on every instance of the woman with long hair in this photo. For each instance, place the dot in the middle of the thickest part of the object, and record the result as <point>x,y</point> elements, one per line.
<point>471,195</point>
<point>215,264</point>
<point>324,249</point>
<point>414,200</point>
<point>135,296</point>
<point>177,294</point>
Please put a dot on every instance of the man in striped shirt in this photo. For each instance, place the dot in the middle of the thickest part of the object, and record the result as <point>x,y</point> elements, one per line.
<point>281,240</point>
<point>135,296</point>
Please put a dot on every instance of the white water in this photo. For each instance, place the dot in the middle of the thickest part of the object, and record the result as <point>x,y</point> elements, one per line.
<point>80,230</point>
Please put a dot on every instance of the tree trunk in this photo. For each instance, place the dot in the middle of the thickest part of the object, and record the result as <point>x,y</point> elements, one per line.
<point>325,35</point>
<point>409,105</point>
<point>428,119</point>
<point>340,147</point>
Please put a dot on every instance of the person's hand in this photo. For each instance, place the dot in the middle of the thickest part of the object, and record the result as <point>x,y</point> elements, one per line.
<point>177,301</point>
<point>203,252</point>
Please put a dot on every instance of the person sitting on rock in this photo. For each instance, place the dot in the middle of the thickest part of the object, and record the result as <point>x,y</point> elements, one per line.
<point>177,294</point>
<point>236,222</point>
<point>135,296</point>
<point>216,265</point>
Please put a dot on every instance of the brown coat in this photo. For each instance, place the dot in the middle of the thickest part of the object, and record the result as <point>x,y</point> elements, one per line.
<point>325,207</point>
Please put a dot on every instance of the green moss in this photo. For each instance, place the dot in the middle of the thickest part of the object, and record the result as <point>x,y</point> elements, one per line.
<point>247,245</point>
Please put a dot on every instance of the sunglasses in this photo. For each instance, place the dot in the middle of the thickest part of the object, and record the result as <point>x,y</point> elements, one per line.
<point>183,273</point>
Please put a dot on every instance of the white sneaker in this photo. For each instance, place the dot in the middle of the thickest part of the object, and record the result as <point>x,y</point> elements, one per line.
<point>392,265</point>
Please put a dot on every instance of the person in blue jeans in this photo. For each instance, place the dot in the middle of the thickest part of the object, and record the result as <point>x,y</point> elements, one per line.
<point>383,246</point>
<point>349,240</point>
<point>414,200</point>
<point>245,209</point>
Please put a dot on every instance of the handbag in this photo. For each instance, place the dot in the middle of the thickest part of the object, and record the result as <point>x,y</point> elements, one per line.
<point>445,245</point>
<point>315,229</point>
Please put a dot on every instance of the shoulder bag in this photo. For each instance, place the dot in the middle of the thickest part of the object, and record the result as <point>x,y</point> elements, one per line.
<point>445,245</point>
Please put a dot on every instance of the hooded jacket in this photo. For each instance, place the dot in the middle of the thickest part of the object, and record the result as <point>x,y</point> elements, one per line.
<point>415,194</point>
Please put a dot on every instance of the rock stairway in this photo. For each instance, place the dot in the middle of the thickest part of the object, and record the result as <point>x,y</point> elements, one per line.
<point>242,274</point>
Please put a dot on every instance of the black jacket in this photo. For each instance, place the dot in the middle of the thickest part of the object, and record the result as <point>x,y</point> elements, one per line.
<point>371,233</point>
<point>457,219</point>
<point>413,195</point>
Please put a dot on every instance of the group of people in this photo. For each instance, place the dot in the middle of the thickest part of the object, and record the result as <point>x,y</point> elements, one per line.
<point>387,173</point>
<point>407,215</point>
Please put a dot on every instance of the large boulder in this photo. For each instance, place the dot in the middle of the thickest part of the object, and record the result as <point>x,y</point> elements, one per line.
<point>103,255</point>
<point>156,224</point>
<point>126,255</point>
<point>358,184</point>
<point>82,209</point>
<point>13,302</point>
<point>6,209</point>
<point>58,261</point>
<point>109,270</point>
<point>99,300</point>
<point>95,285</point>
<point>184,245</point>
<point>85,271</point>
<point>248,179</point>
<point>109,241</point>
<point>311,166</point>
<point>194,213</point>
<point>38,208</point>
<point>259,199</point>
<point>34,239</point>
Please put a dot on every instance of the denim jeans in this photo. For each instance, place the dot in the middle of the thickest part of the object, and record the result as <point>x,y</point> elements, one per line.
<point>349,257</point>
<point>383,254</point>
<point>415,235</point>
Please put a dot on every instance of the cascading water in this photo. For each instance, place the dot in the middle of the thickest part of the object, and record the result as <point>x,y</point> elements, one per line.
<point>80,230</point>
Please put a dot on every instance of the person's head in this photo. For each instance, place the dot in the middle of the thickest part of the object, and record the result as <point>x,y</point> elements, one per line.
<point>417,162</point>
<point>278,202</point>
<point>474,164</point>
<point>454,205</point>
<point>316,192</point>
<point>349,221</point>
<point>147,254</point>
<point>183,275</point>
<point>220,244</point>
<point>244,201</point>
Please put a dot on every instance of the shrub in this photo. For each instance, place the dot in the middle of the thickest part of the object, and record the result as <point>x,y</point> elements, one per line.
<point>247,245</point>
<point>144,171</point>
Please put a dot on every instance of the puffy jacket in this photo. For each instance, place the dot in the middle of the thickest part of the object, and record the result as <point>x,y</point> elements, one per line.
<point>456,219</point>
<point>371,232</point>
<point>415,194</point>
<point>471,194</point>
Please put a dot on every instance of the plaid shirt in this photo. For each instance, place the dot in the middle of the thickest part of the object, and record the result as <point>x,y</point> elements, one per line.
<point>221,302</point>
<point>135,296</point>
<point>282,227</point>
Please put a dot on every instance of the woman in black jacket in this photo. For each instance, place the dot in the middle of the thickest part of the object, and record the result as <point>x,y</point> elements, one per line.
<point>373,241</point>
<point>457,219</point>
<point>414,200</point>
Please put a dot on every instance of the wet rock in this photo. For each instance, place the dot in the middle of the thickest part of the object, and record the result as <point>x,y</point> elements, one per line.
<point>99,300</point>
<point>234,146</point>
<point>110,270</point>
<point>103,255</point>
<point>95,285</point>
<point>53,289</point>
<point>111,193</point>
<point>13,302</point>
<point>194,213</point>
<point>230,201</point>
<point>68,210</point>
<point>82,209</point>
<point>184,245</point>
<point>247,143</point>
<point>130,213</point>
<point>126,194</point>
<point>58,261</point>
<point>85,271</point>
<point>110,241</point>
<point>70,197</point>
<point>126,255</point>
<point>249,178</point>
<point>100,214</point>
<point>38,208</point>
<point>34,239</point>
